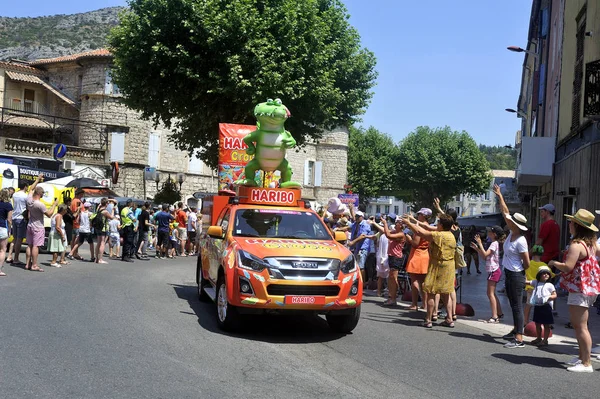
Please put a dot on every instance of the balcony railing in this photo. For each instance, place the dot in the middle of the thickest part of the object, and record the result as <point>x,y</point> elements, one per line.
<point>29,106</point>
<point>36,149</point>
<point>591,106</point>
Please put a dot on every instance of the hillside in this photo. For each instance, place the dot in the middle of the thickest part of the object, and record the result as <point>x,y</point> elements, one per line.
<point>56,35</point>
<point>500,157</point>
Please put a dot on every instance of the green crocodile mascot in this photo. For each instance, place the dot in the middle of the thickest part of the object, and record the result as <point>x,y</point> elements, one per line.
<point>271,140</point>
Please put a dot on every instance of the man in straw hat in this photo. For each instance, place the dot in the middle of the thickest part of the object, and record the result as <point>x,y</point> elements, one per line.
<point>581,278</point>
<point>515,262</point>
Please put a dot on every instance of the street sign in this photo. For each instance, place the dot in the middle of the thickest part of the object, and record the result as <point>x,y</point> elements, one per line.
<point>149,173</point>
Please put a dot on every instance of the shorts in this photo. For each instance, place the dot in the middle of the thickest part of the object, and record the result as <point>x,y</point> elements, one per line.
<point>543,314</point>
<point>115,239</point>
<point>578,299</point>
<point>361,258</point>
<point>19,229</point>
<point>3,233</point>
<point>83,237</point>
<point>495,275</point>
<point>191,236</point>
<point>182,233</point>
<point>162,238</point>
<point>396,263</point>
<point>75,232</point>
<point>35,237</point>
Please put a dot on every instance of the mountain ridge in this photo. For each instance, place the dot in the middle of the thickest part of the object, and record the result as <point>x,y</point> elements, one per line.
<point>31,38</point>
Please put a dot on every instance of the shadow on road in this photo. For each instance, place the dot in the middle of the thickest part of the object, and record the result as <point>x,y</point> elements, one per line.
<point>296,329</point>
<point>545,362</point>
<point>482,337</point>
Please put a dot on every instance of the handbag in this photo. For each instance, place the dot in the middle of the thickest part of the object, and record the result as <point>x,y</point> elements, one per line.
<point>459,256</point>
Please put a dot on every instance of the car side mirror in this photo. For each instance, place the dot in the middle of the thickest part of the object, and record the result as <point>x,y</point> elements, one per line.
<point>340,236</point>
<point>215,232</point>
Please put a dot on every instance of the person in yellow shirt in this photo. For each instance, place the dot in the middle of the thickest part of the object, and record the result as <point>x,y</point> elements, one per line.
<point>534,265</point>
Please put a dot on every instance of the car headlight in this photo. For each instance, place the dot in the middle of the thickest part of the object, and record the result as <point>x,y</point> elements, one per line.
<point>249,261</point>
<point>348,265</point>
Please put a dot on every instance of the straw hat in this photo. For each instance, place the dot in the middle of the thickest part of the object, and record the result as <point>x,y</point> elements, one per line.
<point>543,269</point>
<point>584,218</point>
<point>519,220</point>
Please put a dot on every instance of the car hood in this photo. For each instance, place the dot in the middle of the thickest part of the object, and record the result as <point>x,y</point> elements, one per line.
<point>274,247</point>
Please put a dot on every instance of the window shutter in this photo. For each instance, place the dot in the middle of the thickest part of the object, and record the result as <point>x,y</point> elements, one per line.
<point>195,165</point>
<point>154,150</point>
<point>117,147</point>
<point>318,173</point>
<point>306,173</point>
<point>107,83</point>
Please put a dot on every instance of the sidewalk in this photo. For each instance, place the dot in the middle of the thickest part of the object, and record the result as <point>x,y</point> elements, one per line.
<point>562,340</point>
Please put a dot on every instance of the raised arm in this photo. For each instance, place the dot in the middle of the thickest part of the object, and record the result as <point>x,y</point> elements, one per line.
<point>37,181</point>
<point>50,211</point>
<point>503,207</point>
<point>424,233</point>
<point>389,234</point>
<point>478,246</point>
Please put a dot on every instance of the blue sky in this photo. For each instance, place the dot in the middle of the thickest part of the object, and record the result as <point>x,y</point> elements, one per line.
<point>440,62</point>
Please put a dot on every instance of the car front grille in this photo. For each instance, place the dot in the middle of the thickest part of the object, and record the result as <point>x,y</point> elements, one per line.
<point>316,290</point>
<point>289,269</point>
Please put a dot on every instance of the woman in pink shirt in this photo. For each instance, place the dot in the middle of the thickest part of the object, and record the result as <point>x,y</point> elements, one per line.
<point>492,266</point>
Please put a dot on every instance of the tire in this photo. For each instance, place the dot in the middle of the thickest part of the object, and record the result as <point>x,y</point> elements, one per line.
<point>228,317</point>
<point>202,295</point>
<point>344,323</point>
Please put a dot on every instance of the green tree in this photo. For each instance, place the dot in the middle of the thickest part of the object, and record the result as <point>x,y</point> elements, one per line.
<point>168,194</point>
<point>440,163</point>
<point>500,157</point>
<point>192,64</point>
<point>372,158</point>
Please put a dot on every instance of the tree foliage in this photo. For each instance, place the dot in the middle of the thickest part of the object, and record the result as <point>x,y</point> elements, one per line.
<point>168,194</point>
<point>372,158</point>
<point>441,163</point>
<point>500,157</point>
<point>192,64</point>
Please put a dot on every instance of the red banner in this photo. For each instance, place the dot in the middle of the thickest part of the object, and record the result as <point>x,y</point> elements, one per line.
<point>232,153</point>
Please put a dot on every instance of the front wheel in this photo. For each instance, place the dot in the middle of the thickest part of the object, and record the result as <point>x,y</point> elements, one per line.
<point>228,317</point>
<point>344,323</point>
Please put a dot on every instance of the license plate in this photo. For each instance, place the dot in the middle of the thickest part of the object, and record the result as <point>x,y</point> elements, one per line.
<point>304,300</point>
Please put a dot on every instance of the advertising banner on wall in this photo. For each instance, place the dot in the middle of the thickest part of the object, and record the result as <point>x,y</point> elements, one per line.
<point>29,175</point>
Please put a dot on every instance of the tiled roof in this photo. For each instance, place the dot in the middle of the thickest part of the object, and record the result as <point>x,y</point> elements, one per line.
<point>27,122</point>
<point>102,53</point>
<point>23,77</point>
<point>20,67</point>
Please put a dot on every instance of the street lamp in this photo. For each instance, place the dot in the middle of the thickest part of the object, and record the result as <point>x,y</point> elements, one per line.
<point>517,49</point>
<point>157,179</point>
<point>520,114</point>
<point>180,179</point>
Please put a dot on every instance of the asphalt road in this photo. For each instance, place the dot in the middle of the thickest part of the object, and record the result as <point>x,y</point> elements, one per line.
<point>138,331</point>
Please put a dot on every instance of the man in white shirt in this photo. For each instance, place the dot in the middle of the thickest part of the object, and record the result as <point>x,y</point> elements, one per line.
<point>18,221</point>
<point>191,230</point>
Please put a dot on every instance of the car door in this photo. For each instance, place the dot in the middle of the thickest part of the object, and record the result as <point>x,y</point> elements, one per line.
<point>218,247</point>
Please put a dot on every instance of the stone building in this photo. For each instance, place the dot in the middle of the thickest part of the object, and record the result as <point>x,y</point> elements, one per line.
<point>75,102</point>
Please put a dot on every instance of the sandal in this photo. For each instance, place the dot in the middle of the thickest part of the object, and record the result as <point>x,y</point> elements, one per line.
<point>389,303</point>
<point>427,324</point>
<point>412,308</point>
<point>542,344</point>
<point>453,317</point>
<point>493,320</point>
<point>36,269</point>
<point>536,341</point>
<point>447,323</point>
<point>434,318</point>
<point>2,274</point>
<point>501,316</point>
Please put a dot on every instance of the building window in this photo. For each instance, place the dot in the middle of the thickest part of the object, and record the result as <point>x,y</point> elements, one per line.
<point>396,209</point>
<point>578,74</point>
<point>110,88</point>
<point>378,207</point>
<point>387,209</point>
<point>195,165</point>
<point>117,147</point>
<point>154,150</point>
<point>313,173</point>
<point>458,211</point>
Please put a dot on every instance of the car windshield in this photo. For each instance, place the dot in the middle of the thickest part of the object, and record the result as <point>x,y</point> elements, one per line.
<point>278,223</point>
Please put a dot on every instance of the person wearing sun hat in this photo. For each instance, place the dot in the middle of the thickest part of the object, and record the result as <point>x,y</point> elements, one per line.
<point>544,293</point>
<point>515,262</point>
<point>581,278</point>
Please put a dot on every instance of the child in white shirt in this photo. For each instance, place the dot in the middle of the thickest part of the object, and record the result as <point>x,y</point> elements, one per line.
<point>543,294</point>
